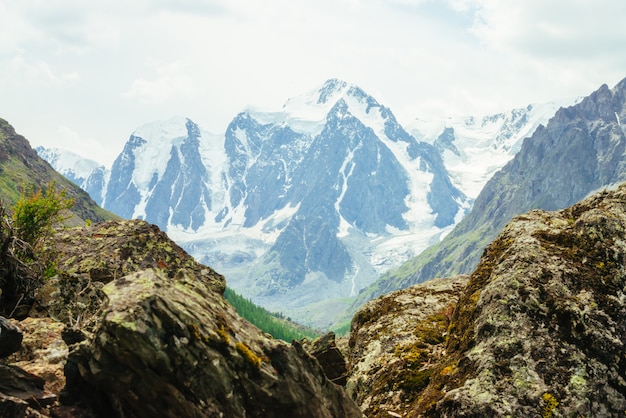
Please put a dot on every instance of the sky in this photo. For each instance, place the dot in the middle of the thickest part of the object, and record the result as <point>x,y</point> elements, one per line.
<point>83,75</point>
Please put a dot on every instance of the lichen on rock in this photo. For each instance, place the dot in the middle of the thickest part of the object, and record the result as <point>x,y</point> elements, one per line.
<point>133,326</point>
<point>113,249</point>
<point>540,329</point>
<point>395,341</point>
<point>172,347</point>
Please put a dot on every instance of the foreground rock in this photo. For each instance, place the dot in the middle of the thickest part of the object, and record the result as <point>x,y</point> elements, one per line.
<point>149,334</point>
<point>395,343</point>
<point>540,329</point>
<point>330,357</point>
<point>43,352</point>
<point>172,347</point>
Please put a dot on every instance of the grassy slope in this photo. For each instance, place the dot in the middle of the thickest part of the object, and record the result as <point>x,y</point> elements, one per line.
<point>21,168</point>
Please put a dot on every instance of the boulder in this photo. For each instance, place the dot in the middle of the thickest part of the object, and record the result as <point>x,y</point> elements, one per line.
<point>17,383</point>
<point>109,250</point>
<point>540,329</point>
<point>173,347</point>
<point>43,352</point>
<point>395,343</point>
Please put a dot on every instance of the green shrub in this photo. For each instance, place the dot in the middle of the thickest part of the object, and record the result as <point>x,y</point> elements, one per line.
<point>24,262</point>
<point>35,214</point>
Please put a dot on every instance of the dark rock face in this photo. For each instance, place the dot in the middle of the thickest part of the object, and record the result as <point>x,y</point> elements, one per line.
<point>94,185</point>
<point>325,350</point>
<point>19,383</point>
<point>122,194</point>
<point>10,337</point>
<point>581,149</point>
<point>21,393</point>
<point>12,407</point>
<point>179,197</point>
<point>540,329</point>
<point>445,141</point>
<point>261,166</point>
<point>172,347</point>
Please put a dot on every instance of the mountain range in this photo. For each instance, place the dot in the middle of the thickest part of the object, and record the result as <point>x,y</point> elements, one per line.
<point>537,329</point>
<point>303,207</point>
<point>580,151</point>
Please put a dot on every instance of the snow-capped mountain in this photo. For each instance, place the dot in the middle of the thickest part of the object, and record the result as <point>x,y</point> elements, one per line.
<point>295,206</point>
<point>304,206</point>
<point>356,185</point>
<point>474,148</point>
<point>88,174</point>
<point>73,166</point>
<point>165,174</point>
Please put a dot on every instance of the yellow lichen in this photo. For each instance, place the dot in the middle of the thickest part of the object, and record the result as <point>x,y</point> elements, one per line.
<point>247,354</point>
<point>195,333</point>
<point>447,370</point>
<point>223,334</point>
<point>550,404</point>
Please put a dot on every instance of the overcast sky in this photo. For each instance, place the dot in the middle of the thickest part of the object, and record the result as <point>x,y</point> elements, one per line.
<point>83,75</point>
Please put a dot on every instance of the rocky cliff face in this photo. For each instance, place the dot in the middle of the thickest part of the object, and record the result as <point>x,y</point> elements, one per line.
<point>137,328</point>
<point>580,150</point>
<point>539,329</point>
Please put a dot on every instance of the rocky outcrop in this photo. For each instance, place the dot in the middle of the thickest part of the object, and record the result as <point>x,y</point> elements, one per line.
<point>10,337</point>
<point>172,347</point>
<point>113,249</point>
<point>396,341</point>
<point>19,389</point>
<point>43,352</point>
<point>540,329</point>
<point>149,333</point>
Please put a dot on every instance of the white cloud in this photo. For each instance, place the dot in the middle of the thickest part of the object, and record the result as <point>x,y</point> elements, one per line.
<point>109,66</point>
<point>558,28</point>
<point>171,80</point>
<point>35,72</point>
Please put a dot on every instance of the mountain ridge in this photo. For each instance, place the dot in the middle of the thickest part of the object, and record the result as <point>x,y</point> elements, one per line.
<point>579,151</point>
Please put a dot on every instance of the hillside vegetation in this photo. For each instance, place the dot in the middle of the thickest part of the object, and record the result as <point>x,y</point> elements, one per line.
<point>274,324</point>
<point>21,169</point>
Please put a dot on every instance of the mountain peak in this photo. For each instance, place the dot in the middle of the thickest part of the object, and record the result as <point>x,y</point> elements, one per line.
<point>332,87</point>
<point>307,113</point>
<point>621,86</point>
<point>326,96</point>
<point>174,127</point>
